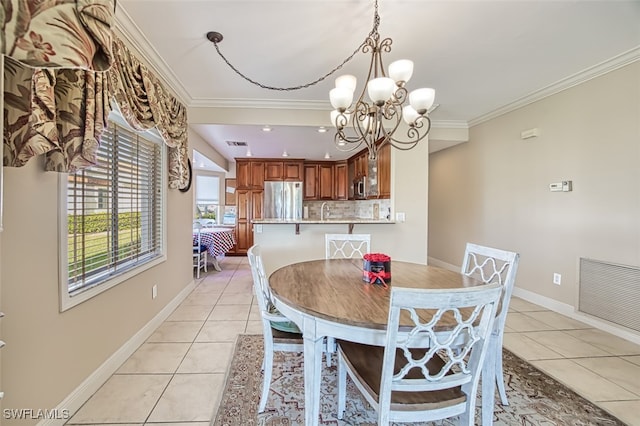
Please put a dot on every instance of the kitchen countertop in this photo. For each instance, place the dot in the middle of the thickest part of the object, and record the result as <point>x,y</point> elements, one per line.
<point>319,222</point>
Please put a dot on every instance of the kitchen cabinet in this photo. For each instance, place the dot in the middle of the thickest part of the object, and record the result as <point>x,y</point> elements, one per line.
<point>273,170</point>
<point>243,223</point>
<point>283,170</point>
<point>318,181</point>
<point>249,174</point>
<point>361,164</point>
<point>310,175</point>
<point>249,207</point>
<point>243,174</point>
<point>257,210</point>
<point>325,181</point>
<point>292,170</point>
<point>257,174</point>
<point>384,172</point>
<point>341,181</point>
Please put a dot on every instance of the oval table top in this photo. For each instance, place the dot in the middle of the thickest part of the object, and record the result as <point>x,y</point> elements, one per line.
<point>333,289</point>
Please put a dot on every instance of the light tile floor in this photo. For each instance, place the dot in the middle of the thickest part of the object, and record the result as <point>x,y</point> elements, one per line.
<point>177,375</point>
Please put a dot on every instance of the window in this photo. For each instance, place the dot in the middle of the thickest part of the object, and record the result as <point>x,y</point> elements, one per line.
<point>207,190</point>
<point>114,214</point>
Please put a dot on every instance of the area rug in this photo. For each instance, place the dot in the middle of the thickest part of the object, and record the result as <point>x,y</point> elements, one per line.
<point>534,397</point>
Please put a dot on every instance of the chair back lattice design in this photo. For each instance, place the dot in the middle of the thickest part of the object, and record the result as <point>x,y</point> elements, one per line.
<point>453,358</point>
<point>491,265</point>
<point>346,246</point>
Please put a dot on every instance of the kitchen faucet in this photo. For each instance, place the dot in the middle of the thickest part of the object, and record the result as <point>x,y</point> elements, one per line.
<point>322,210</point>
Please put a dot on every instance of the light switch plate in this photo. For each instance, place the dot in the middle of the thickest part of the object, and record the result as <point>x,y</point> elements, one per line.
<point>400,217</point>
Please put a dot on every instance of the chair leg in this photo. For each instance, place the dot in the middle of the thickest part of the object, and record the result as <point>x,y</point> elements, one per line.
<point>331,349</point>
<point>205,261</point>
<point>467,418</point>
<point>500,374</point>
<point>197,265</point>
<point>489,381</point>
<point>267,364</point>
<point>342,386</point>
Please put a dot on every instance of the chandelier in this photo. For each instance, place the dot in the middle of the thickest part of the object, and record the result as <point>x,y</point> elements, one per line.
<point>377,121</point>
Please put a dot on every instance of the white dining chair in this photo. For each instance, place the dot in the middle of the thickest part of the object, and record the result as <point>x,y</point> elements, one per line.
<point>491,265</point>
<point>199,252</point>
<point>346,246</point>
<point>424,373</point>
<point>280,334</point>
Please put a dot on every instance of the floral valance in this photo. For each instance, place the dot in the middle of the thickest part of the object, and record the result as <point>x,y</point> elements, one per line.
<point>145,103</point>
<point>58,33</point>
<point>57,112</point>
<point>62,112</point>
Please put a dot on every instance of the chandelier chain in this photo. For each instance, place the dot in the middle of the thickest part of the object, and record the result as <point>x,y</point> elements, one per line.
<point>374,31</point>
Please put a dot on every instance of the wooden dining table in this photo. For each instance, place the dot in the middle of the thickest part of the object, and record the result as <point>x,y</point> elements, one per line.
<point>330,298</point>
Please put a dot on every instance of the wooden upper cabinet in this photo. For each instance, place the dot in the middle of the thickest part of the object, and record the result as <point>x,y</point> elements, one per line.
<point>384,172</point>
<point>362,164</point>
<point>292,171</point>
<point>310,177</point>
<point>257,174</point>
<point>249,174</point>
<point>243,174</point>
<point>325,181</point>
<point>283,170</point>
<point>341,187</point>
<point>273,170</point>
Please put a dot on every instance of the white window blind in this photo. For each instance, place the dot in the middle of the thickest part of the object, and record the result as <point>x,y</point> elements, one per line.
<point>114,210</point>
<point>207,189</point>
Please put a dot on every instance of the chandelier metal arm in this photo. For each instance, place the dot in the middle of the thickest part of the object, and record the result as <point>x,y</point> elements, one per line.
<point>216,38</point>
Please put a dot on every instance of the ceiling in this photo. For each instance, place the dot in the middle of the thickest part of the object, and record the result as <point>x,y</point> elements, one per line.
<point>482,57</point>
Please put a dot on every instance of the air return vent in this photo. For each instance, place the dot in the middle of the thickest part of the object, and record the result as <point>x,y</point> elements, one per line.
<point>236,143</point>
<point>611,292</point>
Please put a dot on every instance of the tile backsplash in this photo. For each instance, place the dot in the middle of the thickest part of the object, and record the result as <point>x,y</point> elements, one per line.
<point>361,209</point>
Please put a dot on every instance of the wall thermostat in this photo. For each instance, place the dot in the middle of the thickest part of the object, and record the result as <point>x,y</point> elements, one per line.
<point>563,186</point>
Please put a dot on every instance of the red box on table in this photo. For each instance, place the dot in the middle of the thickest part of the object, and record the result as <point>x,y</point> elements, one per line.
<point>376,268</point>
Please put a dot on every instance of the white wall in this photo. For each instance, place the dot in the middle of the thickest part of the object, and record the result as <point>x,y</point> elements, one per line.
<point>49,353</point>
<point>494,190</point>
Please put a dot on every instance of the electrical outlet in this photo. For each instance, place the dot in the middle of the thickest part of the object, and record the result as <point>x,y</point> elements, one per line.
<point>557,278</point>
<point>154,291</point>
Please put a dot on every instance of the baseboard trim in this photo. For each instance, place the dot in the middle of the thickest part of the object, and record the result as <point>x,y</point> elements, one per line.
<point>440,264</point>
<point>72,403</point>
<point>571,312</point>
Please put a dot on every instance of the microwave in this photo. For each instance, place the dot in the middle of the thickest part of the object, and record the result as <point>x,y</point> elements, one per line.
<point>359,188</point>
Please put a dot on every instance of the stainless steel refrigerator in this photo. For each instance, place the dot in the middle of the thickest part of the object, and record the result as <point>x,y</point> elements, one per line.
<point>283,200</point>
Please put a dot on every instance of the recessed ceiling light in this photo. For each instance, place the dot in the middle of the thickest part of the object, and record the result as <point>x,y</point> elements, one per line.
<point>322,129</point>
<point>327,156</point>
<point>285,153</point>
<point>249,154</point>
<point>266,129</point>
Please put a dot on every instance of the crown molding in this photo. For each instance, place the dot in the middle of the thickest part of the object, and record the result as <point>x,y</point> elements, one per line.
<point>134,37</point>
<point>259,103</point>
<point>597,70</point>
<point>449,124</point>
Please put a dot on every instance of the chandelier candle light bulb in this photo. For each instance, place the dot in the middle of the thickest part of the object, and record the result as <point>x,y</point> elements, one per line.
<point>401,71</point>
